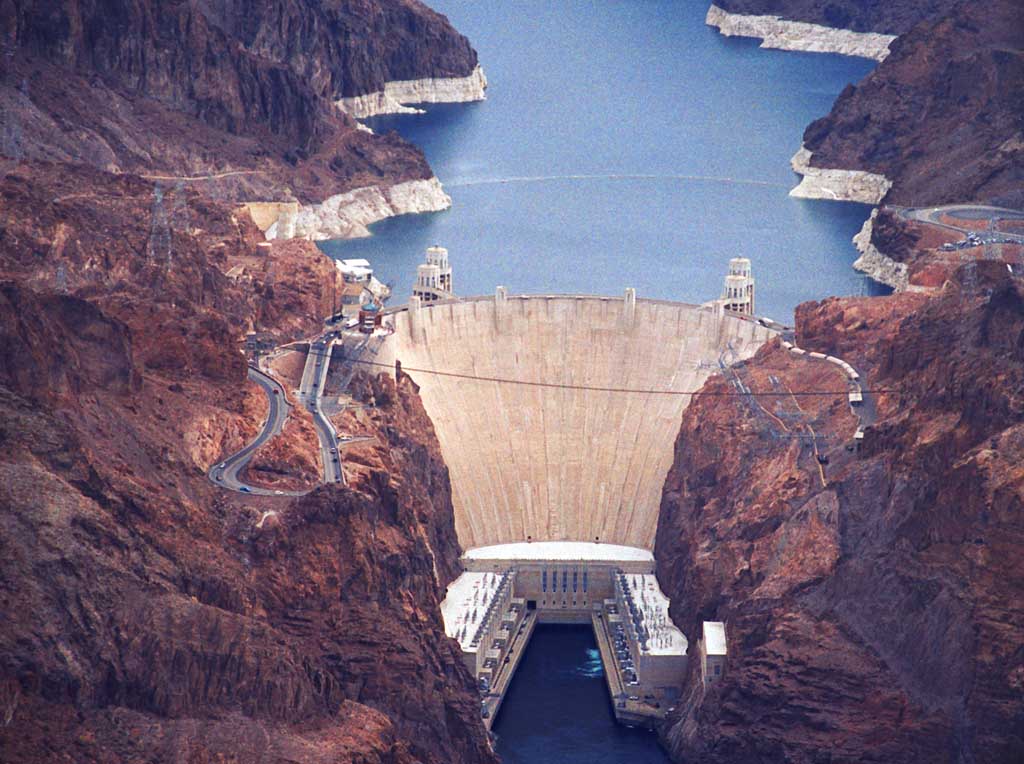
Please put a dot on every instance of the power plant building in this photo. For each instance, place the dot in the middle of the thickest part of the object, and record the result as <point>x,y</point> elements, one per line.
<point>492,609</point>
<point>713,651</point>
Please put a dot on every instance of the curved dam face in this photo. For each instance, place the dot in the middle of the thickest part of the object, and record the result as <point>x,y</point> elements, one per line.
<point>572,436</point>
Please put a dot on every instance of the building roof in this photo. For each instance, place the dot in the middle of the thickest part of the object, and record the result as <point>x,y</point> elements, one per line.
<point>663,636</point>
<point>359,268</point>
<point>714,638</point>
<point>464,605</point>
<point>560,550</point>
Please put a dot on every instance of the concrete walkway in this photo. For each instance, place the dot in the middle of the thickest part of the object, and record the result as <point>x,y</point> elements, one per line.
<point>492,702</point>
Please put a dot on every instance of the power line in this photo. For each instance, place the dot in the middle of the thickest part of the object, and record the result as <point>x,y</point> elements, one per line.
<point>630,390</point>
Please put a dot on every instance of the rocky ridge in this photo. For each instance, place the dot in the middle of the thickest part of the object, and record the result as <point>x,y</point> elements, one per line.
<point>782,34</point>
<point>234,98</point>
<point>940,117</point>
<point>349,215</point>
<point>938,121</point>
<point>397,93</point>
<point>872,261</point>
<point>151,616</point>
<point>873,598</point>
<point>888,18</point>
<point>845,185</point>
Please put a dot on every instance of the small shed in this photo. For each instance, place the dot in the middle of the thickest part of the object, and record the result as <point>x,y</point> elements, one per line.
<point>370,318</point>
<point>714,651</point>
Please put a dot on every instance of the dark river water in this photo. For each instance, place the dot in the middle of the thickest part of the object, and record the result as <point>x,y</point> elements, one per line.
<point>557,710</point>
<point>683,139</point>
<point>621,144</point>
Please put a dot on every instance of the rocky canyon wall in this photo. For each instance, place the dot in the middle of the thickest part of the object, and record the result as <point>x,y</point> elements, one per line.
<point>938,121</point>
<point>872,597</point>
<point>940,117</point>
<point>149,615</point>
<point>237,99</point>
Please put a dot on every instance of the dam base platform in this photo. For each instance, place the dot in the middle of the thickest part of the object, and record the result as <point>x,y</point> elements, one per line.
<point>506,590</point>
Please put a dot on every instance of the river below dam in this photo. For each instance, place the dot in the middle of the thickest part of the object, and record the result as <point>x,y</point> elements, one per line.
<point>557,710</point>
<point>621,145</point>
<point>624,144</point>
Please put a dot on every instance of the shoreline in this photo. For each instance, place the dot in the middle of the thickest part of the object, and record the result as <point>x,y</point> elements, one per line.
<point>349,215</point>
<point>398,94</point>
<point>780,34</point>
<point>831,184</point>
<point>836,184</point>
<point>874,263</point>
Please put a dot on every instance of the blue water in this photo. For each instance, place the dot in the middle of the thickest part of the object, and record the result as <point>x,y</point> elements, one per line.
<point>557,710</point>
<point>624,89</point>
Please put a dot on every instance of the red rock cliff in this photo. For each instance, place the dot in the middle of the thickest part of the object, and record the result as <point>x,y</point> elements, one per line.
<point>874,601</point>
<point>191,89</point>
<point>149,616</point>
<point>875,16</point>
<point>941,116</point>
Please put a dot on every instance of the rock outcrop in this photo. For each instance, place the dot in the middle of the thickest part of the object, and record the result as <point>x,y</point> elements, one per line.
<point>150,616</point>
<point>395,96</point>
<point>873,598</point>
<point>940,117</point>
<point>783,34</point>
<point>349,215</point>
<point>234,98</point>
<point>834,184</point>
<point>938,121</point>
<point>889,18</point>
<point>875,263</point>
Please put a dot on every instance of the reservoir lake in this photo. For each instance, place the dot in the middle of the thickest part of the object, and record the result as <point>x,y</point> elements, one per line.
<point>624,144</point>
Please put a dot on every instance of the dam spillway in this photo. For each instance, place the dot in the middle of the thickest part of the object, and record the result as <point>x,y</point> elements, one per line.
<point>575,441</point>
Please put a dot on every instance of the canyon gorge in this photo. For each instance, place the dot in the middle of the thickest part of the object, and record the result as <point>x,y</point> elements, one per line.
<point>872,586</point>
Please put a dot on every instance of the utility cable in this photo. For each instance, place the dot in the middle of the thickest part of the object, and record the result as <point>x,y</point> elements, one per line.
<point>595,389</point>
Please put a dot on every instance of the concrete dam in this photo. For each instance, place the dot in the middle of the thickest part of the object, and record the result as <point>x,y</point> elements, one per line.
<point>574,443</point>
<point>557,417</point>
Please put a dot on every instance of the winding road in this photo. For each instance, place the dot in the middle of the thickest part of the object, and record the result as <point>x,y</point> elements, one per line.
<point>225,473</point>
<point>314,376</point>
<point>967,213</point>
<point>208,176</point>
